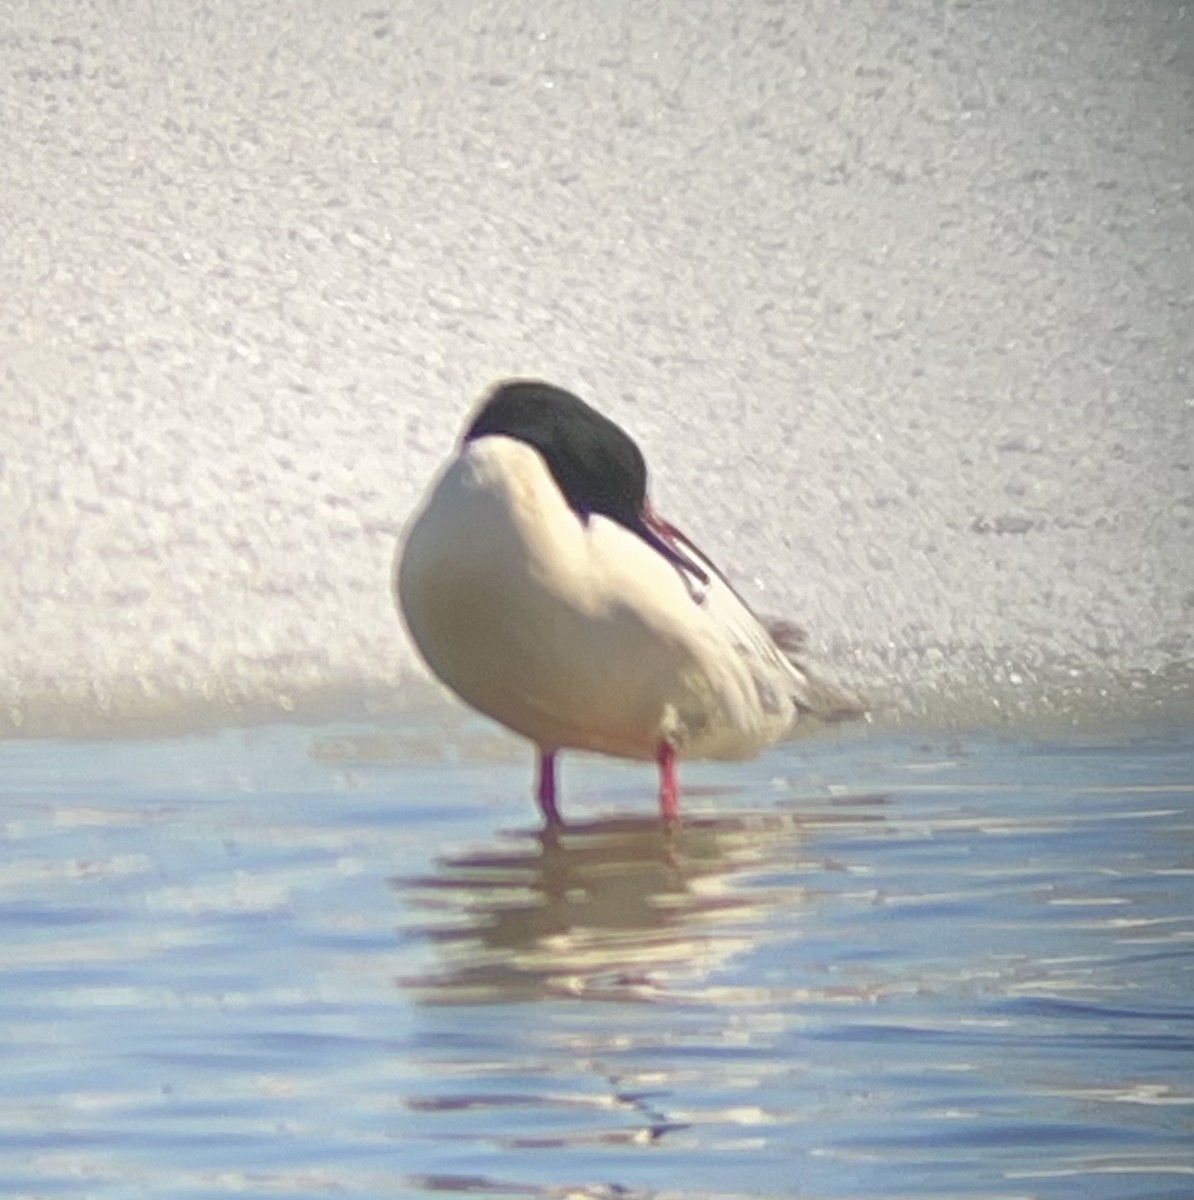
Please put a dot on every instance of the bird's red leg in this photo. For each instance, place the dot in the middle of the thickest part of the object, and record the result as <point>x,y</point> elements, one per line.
<point>547,787</point>
<point>669,795</point>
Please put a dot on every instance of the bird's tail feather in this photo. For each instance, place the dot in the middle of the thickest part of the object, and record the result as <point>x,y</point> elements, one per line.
<point>824,701</point>
<point>813,695</point>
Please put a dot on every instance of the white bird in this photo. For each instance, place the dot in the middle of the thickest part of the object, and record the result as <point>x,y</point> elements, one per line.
<point>540,585</point>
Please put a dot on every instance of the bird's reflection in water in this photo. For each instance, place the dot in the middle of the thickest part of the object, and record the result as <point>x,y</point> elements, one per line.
<point>618,909</point>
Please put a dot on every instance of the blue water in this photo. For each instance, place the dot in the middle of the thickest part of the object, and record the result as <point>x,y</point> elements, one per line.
<point>296,961</point>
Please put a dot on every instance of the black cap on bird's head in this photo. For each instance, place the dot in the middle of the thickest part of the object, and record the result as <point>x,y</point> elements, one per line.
<point>596,464</point>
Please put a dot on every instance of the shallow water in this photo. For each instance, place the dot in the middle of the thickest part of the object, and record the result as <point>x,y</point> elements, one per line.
<point>292,961</point>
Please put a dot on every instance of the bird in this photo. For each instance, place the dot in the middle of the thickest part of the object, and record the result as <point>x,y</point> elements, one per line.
<point>539,583</point>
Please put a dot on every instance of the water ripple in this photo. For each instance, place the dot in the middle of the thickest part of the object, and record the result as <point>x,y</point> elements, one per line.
<point>246,964</point>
